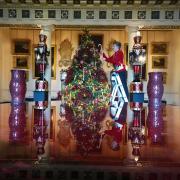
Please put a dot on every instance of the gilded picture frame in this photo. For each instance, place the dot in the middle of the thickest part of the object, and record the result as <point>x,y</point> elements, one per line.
<point>159,62</point>
<point>159,48</point>
<point>21,62</point>
<point>21,46</point>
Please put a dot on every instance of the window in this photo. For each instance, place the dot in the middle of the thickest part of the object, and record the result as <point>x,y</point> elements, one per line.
<point>8,1</point>
<point>173,1</point>
<point>116,1</point>
<point>144,2</point>
<point>64,14</point>
<point>90,1</point>
<point>51,14</point>
<point>169,14</point>
<point>63,2</point>
<point>25,14</point>
<point>141,15</point>
<point>90,15</point>
<point>38,13</point>
<point>12,13</point>
<point>103,1</point>
<point>130,2</point>
<point>155,15</point>
<point>22,1</point>
<point>1,12</point>
<point>102,14</point>
<point>76,1</point>
<point>115,14</point>
<point>77,14</point>
<point>127,14</point>
<point>159,2</point>
<point>49,1</point>
<point>36,1</point>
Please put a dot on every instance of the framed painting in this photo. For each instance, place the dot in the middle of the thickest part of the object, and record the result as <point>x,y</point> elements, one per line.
<point>21,47</point>
<point>21,62</point>
<point>159,48</point>
<point>159,62</point>
<point>53,63</point>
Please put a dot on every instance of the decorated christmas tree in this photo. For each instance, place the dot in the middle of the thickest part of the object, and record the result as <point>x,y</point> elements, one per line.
<point>86,95</point>
<point>86,82</point>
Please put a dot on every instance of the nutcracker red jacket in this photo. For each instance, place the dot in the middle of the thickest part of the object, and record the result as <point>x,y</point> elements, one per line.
<point>117,59</point>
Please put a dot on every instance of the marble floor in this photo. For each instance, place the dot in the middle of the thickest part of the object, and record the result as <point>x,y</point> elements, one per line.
<point>70,143</point>
<point>61,141</point>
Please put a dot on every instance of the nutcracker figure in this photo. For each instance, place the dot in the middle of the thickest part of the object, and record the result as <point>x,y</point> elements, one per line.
<point>41,53</point>
<point>137,58</point>
<point>41,61</point>
<point>39,131</point>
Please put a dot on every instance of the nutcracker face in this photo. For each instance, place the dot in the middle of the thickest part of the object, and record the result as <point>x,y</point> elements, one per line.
<point>42,38</point>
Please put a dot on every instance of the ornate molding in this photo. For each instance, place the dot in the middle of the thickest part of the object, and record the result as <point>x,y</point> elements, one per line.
<point>21,26</point>
<point>90,27</point>
<point>83,3</point>
<point>65,51</point>
<point>93,27</point>
<point>160,27</point>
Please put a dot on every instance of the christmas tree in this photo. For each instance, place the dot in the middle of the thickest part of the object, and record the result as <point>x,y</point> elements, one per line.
<point>86,82</point>
<point>86,95</point>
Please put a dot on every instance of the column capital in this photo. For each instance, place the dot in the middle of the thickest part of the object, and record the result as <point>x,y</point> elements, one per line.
<point>49,28</point>
<point>46,29</point>
<point>131,29</point>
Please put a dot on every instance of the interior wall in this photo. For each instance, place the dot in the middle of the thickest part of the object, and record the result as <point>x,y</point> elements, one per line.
<point>172,87</point>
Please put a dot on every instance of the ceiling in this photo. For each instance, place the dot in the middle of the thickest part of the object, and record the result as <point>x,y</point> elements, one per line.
<point>95,2</point>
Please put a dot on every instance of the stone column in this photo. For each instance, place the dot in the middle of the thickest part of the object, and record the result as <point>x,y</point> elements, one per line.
<point>131,33</point>
<point>47,31</point>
